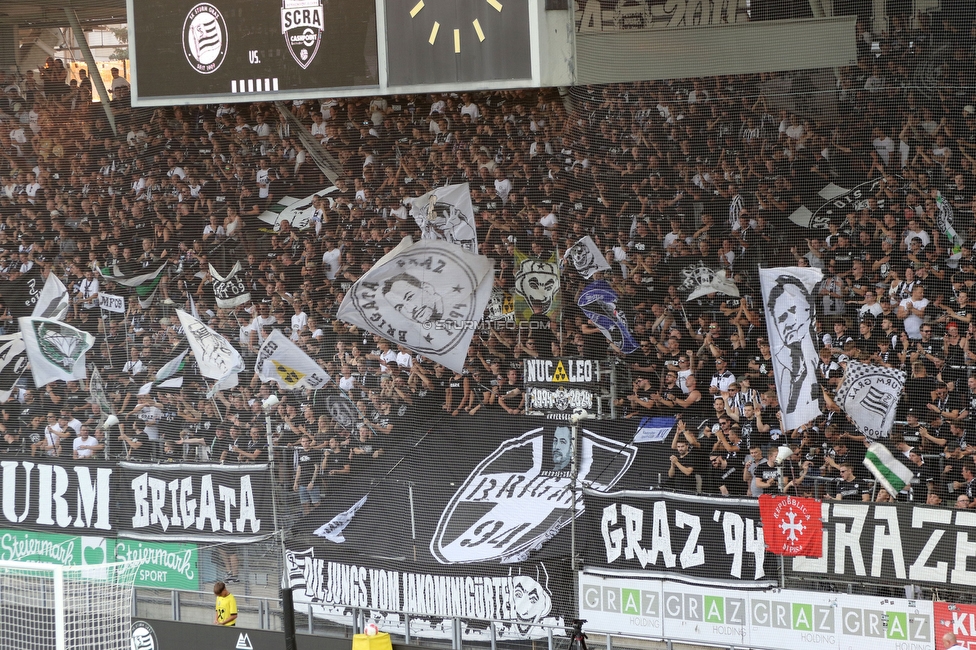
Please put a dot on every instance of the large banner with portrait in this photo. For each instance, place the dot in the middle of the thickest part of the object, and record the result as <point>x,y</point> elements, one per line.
<point>428,295</point>
<point>790,317</point>
<point>490,518</point>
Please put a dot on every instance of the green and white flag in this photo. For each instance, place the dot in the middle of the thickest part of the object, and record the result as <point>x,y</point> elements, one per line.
<point>944,220</point>
<point>887,469</point>
<point>170,375</point>
<point>56,351</point>
<point>132,281</point>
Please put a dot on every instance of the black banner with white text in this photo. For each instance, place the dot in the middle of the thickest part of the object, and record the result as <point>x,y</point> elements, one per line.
<point>689,538</point>
<point>720,542</point>
<point>200,503</point>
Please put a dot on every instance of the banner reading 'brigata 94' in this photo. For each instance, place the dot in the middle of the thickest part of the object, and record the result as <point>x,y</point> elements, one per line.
<point>475,530</point>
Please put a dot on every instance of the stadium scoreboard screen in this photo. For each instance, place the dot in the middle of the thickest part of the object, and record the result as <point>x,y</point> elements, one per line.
<point>186,48</point>
<point>186,51</point>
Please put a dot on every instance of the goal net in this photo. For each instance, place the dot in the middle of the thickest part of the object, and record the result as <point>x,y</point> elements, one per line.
<point>50,607</point>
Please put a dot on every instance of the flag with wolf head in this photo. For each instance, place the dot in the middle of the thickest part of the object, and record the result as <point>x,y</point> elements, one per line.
<point>56,351</point>
<point>869,396</point>
<point>446,213</point>
<point>586,257</point>
<point>281,361</point>
<point>428,296</point>
<point>536,286</point>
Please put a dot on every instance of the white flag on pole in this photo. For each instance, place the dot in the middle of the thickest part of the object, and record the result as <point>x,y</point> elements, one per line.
<point>586,257</point>
<point>446,213</point>
<point>216,357</point>
<point>789,320</point>
<point>53,301</point>
<point>869,396</point>
<point>429,296</point>
<point>56,350</point>
<point>282,361</point>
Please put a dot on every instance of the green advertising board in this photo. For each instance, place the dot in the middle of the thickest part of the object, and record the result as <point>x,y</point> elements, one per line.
<point>162,565</point>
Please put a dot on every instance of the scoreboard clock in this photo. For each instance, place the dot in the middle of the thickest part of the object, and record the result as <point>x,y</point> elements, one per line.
<point>190,51</point>
<point>449,41</point>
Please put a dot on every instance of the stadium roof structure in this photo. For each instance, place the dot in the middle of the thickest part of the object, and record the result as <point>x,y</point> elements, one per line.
<point>50,13</point>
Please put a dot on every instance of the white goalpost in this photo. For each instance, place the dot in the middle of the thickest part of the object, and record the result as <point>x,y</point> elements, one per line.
<point>53,607</point>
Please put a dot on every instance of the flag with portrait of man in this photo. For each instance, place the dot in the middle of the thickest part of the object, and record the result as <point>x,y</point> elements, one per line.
<point>428,296</point>
<point>790,318</point>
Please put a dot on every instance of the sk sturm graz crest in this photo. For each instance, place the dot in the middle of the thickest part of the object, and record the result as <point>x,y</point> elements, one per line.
<point>204,38</point>
<point>520,496</point>
<point>302,22</point>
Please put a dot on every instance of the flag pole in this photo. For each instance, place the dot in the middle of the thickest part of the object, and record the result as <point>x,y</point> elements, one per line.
<point>213,398</point>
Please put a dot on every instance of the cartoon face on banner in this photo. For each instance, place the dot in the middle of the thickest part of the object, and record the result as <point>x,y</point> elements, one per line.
<point>599,302</point>
<point>537,283</point>
<point>501,307</point>
<point>519,497</point>
<point>583,260</point>
<point>587,258</point>
<point>407,299</point>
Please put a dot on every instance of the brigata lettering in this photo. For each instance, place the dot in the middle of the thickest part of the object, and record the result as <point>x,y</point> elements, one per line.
<point>172,503</point>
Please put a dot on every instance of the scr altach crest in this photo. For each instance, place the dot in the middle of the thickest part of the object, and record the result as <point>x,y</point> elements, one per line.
<point>302,22</point>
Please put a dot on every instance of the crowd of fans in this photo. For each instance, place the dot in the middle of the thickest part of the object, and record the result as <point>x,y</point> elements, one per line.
<point>673,180</point>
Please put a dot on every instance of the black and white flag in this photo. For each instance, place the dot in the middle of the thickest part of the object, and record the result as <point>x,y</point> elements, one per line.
<point>53,300</point>
<point>718,284</point>
<point>869,396</point>
<point>428,296</point>
<point>832,203</point>
<point>13,363</point>
<point>21,295</point>
<point>229,290</point>
<point>790,320</point>
<point>446,213</point>
<point>586,257</point>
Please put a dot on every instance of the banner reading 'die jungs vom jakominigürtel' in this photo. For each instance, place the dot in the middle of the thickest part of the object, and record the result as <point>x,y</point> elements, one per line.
<point>556,387</point>
<point>473,531</point>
